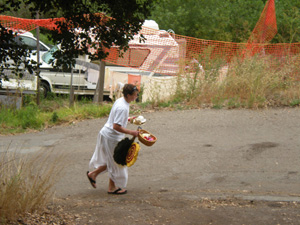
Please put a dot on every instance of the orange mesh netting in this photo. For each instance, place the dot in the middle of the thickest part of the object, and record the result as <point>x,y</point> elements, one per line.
<point>21,24</point>
<point>265,29</point>
<point>164,52</point>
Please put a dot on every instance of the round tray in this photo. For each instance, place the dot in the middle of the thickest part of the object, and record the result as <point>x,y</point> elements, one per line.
<point>132,154</point>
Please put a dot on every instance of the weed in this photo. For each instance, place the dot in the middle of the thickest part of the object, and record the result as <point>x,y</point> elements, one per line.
<point>54,117</point>
<point>295,102</point>
<point>165,104</point>
<point>233,103</point>
<point>144,105</point>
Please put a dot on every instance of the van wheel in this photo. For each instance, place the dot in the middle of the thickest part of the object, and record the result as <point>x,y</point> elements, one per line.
<point>44,88</point>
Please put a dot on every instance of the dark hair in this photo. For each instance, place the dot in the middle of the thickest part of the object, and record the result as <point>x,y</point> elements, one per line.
<point>129,89</point>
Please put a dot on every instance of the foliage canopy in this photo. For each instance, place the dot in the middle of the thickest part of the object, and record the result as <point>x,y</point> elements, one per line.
<point>87,24</point>
<point>226,20</point>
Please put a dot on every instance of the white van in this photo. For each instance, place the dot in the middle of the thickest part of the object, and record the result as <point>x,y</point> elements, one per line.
<point>28,81</point>
<point>84,82</point>
<point>85,74</point>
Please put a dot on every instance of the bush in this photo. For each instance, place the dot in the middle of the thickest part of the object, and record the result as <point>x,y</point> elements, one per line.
<point>26,188</point>
<point>28,117</point>
<point>19,120</point>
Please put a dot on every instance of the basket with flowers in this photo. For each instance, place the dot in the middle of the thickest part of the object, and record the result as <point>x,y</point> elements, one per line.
<point>146,137</point>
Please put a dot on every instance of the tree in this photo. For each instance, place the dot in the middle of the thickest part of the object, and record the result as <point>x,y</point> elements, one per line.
<point>13,55</point>
<point>288,21</point>
<point>88,24</point>
<point>223,20</point>
<point>226,20</point>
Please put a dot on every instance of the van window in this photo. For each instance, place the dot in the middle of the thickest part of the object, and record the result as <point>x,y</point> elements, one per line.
<point>48,56</point>
<point>30,42</point>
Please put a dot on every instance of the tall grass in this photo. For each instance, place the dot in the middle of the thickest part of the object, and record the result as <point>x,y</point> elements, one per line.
<point>18,120</point>
<point>249,83</point>
<point>26,183</point>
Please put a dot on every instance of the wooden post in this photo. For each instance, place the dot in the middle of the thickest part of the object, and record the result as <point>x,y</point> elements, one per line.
<point>98,97</point>
<point>38,62</point>
<point>71,89</point>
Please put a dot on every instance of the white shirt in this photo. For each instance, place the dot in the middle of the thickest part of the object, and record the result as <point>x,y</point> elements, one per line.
<point>119,114</point>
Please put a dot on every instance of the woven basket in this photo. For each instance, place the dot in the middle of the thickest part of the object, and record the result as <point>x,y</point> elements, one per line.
<point>145,141</point>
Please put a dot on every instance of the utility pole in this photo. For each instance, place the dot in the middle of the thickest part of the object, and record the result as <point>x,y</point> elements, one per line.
<point>71,89</point>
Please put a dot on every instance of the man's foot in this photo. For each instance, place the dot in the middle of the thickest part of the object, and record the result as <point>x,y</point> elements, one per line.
<point>119,191</point>
<point>92,181</point>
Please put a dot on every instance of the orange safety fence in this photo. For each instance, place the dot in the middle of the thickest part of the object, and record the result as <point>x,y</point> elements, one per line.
<point>265,29</point>
<point>21,24</point>
<point>166,53</point>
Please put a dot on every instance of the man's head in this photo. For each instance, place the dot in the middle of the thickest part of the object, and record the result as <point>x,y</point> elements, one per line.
<point>130,92</point>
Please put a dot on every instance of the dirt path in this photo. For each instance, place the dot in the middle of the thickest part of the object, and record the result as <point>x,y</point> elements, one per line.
<point>207,167</point>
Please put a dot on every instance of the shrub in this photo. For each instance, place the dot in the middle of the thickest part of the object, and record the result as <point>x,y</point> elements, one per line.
<point>26,188</point>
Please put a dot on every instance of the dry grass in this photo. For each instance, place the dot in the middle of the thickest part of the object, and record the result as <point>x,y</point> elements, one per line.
<point>26,183</point>
<point>249,83</point>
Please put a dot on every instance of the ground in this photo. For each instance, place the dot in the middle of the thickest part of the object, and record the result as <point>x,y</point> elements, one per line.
<point>207,167</point>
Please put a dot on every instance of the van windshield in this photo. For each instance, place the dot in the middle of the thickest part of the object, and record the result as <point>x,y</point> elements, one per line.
<point>48,56</point>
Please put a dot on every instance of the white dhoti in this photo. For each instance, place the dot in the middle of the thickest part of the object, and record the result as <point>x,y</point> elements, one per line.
<point>103,155</point>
